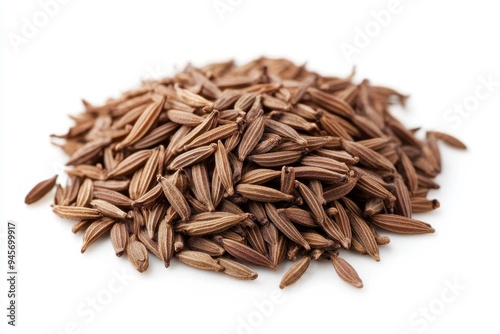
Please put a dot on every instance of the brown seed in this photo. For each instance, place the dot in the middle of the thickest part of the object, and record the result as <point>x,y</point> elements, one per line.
<point>206,246</point>
<point>143,124</point>
<point>86,193</point>
<point>237,270</point>
<point>302,89</point>
<point>276,159</point>
<point>156,136</point>
<point>175,197</point>
<point>333,230</point>
<point>331,125</point>
<point>156,214</point>
<point>129,117</point>
<point>367,156</point>
<point>232,141</point>
<point>317,240</point>
<point>107,209</point>
<point>399,224</point>
<point>419,204</point>
<point>357,246</point>
<point>229,234</point>
<point>341,156</point>
<point>148,172</point>
<point>274,103</point>
<point>199,260</point>
<point>119,238</point>
<point>312,201</point>
<point>255,239</point>
<point>75,212</point>
<point>305,111</point>
<point>257,209</point>
<point>284,131</point>
<point>299,216</point>
<point>90,171</point>
<point>227,99</point>
<point>223,168</point>
<point>251,136</point>
<point>96,230</point>
<point>40,190</point>
<point>137,254</point>
<point>318,173</point>
<point>193,156</point>
<point>365,235</point>
<point>112,197</point>
<point>336,192</point>
<point>201,186</point>
<point>332,103</point>
<point>213,135</point>
<point>131,163</point>
<point>285,226</point>
<point>245,253</point>
<point>81,225</point>
<point>87,152</point>
<point>325,163</point>
<point>184,117</point>
<point>166,241</point>
<point>259,176</point>
<point>72,189</point>
<point>205,126</point>
<point>262,194</point>
<point>192,99</point>
<point>403,202</point>
<point>217,188</point>
<point>59,196</point>
<point>295,272</point>
<point>268,141</point>
<point>236,166</point>
<point>211,226</point>
<point>374,206</point>
<point>230,207</point>
<point>346,271</point>
<point>178,242</point>
<point>287,182</point>
<point>448,139</point>
<point>112,184</point>
<point>150,245</point>
<point>374,189</point>
<point>148,198</point>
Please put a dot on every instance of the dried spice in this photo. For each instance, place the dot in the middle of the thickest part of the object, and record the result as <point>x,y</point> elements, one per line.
<point>259,164</point>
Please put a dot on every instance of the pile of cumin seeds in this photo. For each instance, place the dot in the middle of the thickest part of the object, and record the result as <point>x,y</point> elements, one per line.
<point>226,166</point>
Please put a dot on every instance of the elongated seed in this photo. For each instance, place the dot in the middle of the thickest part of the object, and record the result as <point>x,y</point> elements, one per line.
<point>40,190</point>
<point>346,271</point>
<point>245,253</point>
<point>175,197</point>
<point>237,270</point>
<point>224,168</point>
<point>262,194</point>
<point>295,272</point>
<point>399,224</point>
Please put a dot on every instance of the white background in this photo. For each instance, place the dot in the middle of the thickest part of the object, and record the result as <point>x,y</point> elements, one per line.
<point>435,51</point>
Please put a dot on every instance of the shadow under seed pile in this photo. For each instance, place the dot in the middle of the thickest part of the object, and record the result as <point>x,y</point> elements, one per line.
<point>257,164</point>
